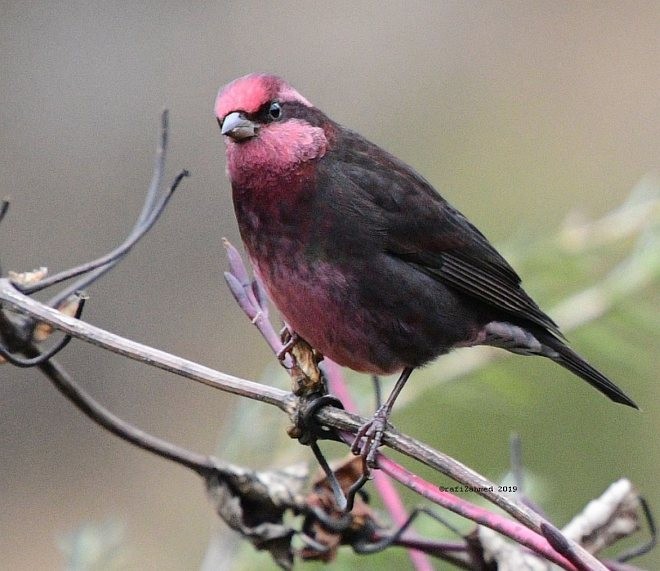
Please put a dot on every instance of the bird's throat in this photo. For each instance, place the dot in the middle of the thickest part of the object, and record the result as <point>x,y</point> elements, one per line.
<point>277,155</point>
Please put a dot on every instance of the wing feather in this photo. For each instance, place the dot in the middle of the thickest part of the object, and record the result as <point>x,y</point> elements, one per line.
<point>420,227</point>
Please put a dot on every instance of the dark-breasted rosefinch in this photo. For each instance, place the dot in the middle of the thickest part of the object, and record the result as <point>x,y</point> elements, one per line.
<point>362,257</point>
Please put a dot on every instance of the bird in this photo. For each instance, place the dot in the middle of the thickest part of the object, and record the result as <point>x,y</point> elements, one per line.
<point>362,257</point>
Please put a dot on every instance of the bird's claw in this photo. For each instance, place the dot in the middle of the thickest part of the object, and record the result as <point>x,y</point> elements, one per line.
<point>289,338</point>
<point>370,437</point>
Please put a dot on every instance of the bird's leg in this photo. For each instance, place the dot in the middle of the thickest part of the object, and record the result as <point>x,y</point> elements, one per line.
<point>372,431</point>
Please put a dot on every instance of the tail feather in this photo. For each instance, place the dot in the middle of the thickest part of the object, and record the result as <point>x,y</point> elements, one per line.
<point>569,359</point>
<point>533,340</point>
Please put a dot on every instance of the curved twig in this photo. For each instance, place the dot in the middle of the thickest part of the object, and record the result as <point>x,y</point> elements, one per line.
<point>151,210</point>
<point>649,545</point>
<point>201,464</point>
<point>111,258</point>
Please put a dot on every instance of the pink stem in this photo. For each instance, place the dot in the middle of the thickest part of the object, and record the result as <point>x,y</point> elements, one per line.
<point>519,533</point>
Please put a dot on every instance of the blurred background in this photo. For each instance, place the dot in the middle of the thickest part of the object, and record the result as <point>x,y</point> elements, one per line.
<point>520,114</point>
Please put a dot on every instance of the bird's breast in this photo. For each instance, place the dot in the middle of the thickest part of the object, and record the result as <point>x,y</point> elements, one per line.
<point>319,302</point>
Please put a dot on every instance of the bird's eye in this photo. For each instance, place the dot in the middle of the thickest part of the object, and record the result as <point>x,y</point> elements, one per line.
<point>275,111</point>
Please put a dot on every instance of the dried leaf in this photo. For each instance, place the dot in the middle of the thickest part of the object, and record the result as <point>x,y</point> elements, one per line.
<point>607,519</point>
<point>254,503</point>
<point>306,377</point>
<point>28,278</point>
<point>360,522</point>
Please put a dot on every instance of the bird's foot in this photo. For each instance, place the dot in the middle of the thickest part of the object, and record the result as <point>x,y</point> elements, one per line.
<point>289,338</point>
<point>370,436</point>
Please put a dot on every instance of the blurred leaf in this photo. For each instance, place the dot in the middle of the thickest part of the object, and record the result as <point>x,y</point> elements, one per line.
<point>94,547</point>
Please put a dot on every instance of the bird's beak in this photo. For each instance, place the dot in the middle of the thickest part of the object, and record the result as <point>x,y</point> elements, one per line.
<point>238,127</point>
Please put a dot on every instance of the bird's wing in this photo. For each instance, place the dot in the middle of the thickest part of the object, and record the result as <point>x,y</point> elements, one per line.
<point>418,226</point>
<point>479,278</point>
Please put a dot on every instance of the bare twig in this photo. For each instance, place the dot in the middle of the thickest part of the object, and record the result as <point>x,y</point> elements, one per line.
<point>201,464</point>
<point>515,531</point>
<point>648,546</point>
<point>4,207</point>
<point>152,208</point>
<point>110,259</point>
<point>147,208</point>
<point>11,297</point>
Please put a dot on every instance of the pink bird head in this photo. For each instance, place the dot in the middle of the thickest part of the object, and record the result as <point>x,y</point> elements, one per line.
<point>271,131</point>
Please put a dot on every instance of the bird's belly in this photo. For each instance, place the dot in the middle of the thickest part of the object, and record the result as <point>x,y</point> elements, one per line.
<point>317,301</point>
<point>367,318</point>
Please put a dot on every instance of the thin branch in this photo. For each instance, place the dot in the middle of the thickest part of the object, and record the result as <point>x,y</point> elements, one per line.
<point>644,547</point>
<point>110,259</point>
<point>201,464</point>
<point>233,490</point>
<point>159,167</point>
<point>517,472</point>
<point>147,208</point>
<point>515,531</point>
<point>331,417</point>
<point>4,207</point>
<point>11,297</point>
<point>151,211</point>
<point>453,552</point>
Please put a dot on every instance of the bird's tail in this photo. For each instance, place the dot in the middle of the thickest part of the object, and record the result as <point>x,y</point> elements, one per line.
<point>566,357</point>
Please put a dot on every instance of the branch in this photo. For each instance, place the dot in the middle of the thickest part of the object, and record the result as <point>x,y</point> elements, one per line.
<point>12,298</point>
<point>332,417</point>
<point>152,208</point>
<point>4,207</point>
<point>203,465</point>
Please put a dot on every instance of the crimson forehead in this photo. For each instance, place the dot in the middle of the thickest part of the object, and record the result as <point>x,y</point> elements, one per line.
<point>250,92</point>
